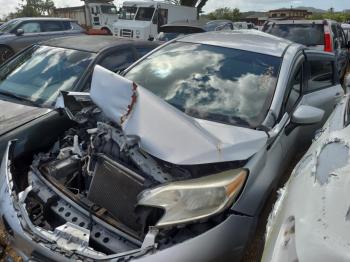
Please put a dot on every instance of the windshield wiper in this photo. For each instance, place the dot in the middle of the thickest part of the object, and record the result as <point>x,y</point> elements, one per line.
<point>20,98</point>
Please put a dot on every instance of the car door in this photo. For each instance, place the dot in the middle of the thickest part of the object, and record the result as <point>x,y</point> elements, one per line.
<point>323,89</point>
<point>317,86</point>
<point>343,50</point>
<point>292,98</point>
<point>339,45</point>
<point>32,33</point>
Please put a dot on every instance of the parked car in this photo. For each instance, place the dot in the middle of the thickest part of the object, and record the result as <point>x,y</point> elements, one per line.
<point>171,31</point>
<point>324,35</point>
<point>310,220</point>
<point>31,80</point>
<point>346,28</point>
<point>177,156</point>
<point>20,33</point>
<point>243,25</point>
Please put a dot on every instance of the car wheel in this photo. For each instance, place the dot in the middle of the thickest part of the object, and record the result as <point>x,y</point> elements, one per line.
<point>5,53</point>
<point>106,31</point>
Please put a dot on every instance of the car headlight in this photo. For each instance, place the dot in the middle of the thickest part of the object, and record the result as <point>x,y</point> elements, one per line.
<point>138,32</point>
<point>195,199</point>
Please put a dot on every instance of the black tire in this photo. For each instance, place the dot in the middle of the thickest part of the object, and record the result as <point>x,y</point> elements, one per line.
<point>107,31</point>
<point>5,53</point>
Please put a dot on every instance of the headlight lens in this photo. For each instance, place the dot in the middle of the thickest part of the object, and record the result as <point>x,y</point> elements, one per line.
<point>138,32</point>
<point>195,199</point>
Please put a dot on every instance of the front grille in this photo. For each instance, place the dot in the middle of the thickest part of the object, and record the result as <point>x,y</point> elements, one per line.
<point>126,33</point>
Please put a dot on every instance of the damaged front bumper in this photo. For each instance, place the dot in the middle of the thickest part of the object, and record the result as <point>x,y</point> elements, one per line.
<point>69,241</point>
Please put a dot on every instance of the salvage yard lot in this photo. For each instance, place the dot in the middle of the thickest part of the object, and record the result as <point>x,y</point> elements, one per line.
<point>122,148</point>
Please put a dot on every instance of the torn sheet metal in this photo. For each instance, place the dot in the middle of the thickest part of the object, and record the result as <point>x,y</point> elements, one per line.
<point>164,131</point>
<point>317,198</point>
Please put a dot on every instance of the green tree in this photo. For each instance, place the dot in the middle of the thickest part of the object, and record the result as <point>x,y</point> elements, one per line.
<point>337,16</point>
<point>33,8</point>
<point>226,13</point>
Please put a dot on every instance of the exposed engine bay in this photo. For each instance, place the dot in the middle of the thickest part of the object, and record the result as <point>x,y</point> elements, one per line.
<point>102,173</point>
<point>96,191</point>
<point>105,171</point>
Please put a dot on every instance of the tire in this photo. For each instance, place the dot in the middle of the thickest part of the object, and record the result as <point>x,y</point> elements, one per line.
<point>5,53</point>
<point>106,31</point>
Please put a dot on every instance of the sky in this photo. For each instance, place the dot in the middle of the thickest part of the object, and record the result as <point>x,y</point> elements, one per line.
<point>244,5</point>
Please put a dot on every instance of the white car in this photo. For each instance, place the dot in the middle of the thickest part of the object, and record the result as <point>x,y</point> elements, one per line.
<point>311,218</point>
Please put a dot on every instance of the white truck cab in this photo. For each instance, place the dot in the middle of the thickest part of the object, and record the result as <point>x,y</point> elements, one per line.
<point>103,15</point>
<point>94,15</point>
<point>142,19</point>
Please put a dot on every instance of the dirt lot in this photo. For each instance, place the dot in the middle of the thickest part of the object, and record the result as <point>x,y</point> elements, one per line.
<point>7,254</point>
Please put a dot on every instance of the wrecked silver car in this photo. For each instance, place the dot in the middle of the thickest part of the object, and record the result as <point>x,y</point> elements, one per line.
<point>173,162</point>
<point>311,219</point>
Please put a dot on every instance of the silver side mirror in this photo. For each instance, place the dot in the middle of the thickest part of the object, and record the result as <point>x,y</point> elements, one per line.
<point>307,115</point>
<point>20,32</point>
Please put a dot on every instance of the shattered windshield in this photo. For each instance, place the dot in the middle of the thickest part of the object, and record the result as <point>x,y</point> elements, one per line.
<point>9,26</point>
<point>213,83</point>
<point>38,74</point>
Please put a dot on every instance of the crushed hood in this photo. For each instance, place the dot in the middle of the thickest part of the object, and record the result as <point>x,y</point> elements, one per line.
<point>13,115</point>
<point>164,131</point>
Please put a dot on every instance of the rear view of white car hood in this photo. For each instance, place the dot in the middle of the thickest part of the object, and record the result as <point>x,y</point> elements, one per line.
<point>164,131</point>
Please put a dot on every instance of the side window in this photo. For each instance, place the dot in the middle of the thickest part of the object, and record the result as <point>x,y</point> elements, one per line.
<point>162,17</point>
<point>52,26</point>
<point>341,37</point>
<point>294,90</point>
<point>30,27</point>
<point>118,60</point>
<point>155,17</point>
<point>335,36</point>
<point>321,75</point>
<point>347,114</point>
<point>75,26</point>
<point>67,25</point>
<point>142,50</point>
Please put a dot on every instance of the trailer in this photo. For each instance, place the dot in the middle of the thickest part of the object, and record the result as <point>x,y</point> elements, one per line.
<point>143,19</point>
<point>96,16</point>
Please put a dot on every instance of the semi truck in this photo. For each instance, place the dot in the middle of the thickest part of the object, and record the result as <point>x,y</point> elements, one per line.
<point>143,19</point>
<point>96,16</point>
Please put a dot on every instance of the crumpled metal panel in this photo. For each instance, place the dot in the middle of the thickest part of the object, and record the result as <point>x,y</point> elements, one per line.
<point>316,197</point>
<point>164,131</point>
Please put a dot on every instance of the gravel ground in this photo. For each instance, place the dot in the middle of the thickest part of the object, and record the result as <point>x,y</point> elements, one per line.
<point>7,254</point>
